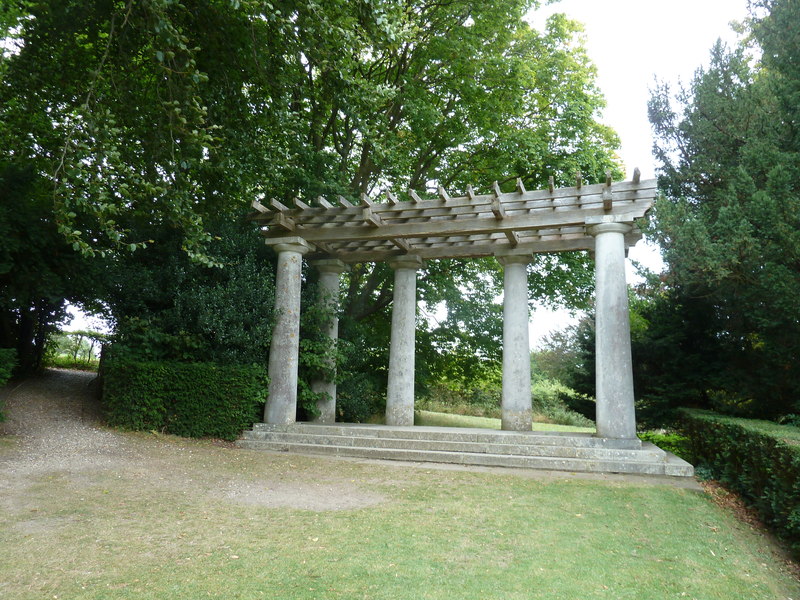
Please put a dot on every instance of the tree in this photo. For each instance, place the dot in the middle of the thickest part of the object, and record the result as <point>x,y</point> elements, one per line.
<point>149,122</point>
<point>729,223</point>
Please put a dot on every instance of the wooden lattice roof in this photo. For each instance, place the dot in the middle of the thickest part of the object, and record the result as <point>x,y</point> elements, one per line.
<point>474,225</point>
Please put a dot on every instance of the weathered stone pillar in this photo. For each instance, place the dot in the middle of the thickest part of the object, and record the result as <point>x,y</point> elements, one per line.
<point>614,379</point>
<point>329,271</point>
<point>516,401</point>
<point>285,347</point>
<point>400,390</point>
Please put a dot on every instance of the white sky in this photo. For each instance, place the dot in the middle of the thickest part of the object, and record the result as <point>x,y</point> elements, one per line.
<point>633,43</point>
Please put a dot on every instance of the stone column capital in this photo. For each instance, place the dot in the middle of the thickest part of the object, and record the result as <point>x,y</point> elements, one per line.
<point>409,261</point>
<point>514,259</point>
<point>600,228</point>
<point>289,244</point>
<point>330,265</point>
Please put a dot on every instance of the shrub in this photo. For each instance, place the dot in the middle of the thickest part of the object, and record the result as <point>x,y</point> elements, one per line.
<point>671,441</point>
<point>758,459</point>
<point>8,360</point>
<point>551,400</point>
<point>187,399</point>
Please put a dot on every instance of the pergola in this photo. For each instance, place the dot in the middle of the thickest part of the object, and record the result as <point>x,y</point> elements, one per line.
<point>405,233</point>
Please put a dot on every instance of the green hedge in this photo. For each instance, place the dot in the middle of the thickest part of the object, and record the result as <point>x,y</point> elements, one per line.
<point>8,360</point>
<point>187,399</point>
<point>758,459</point>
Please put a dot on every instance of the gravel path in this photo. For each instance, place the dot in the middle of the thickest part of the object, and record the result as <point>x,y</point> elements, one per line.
<point>53,428</point>
<point>55,417</point>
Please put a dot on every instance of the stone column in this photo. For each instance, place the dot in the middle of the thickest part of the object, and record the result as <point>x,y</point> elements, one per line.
<point>614,378</point>
<point>400,390</point>
<point>516,401</point>
<point>285,347</point>
<point>329,272</point>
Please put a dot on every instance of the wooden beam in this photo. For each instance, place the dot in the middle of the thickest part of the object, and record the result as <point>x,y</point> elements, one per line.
<point>344,201</point>
<point>300,204</point>
<point>607,199</point>
<point>513,238</point>
<point>551,184</point>
<point>443,195</point>
<point>365,201</point>
<point>520,186</point>
<point>466,250</point>
<point>323,203</point>
<point>259,207</point>
<point>488,224</point>
<point>636,175</point>
<point>275,205</point>
<point>470,193</point>
<point>497,205</point>
<point>370,217</point>
<point>284,222</point>
<point>402,244</point>
<point>391,198</point>
<point>414,196</point>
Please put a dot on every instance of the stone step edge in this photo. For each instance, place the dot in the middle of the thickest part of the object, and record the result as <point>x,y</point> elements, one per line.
<point>647,451</point>
<point>557,438</point>
<point>673,466</point>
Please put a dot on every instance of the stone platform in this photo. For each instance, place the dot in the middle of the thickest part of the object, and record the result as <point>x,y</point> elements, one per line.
<point>558,451</point>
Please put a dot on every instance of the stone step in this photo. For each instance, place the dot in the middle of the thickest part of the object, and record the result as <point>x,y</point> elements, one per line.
<point>670,465</point>
<point>454,434</point>
<point>527,446</point>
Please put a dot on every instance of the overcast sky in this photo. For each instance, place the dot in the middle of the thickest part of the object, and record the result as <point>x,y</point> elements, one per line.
<point>633,43</point>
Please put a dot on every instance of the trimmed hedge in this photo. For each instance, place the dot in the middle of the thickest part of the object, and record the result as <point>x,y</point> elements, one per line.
<point>8,360</point>
<point>758,459</point>
<point>186,399</point>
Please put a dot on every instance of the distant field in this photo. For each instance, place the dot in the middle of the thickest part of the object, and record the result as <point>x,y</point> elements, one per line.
<point>424,417</point>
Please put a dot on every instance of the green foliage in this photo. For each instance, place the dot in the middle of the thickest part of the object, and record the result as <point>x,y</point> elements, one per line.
<point>170,308</point>
<point>187,399</point>
<point>758,459</point>
<point>671,441</point>
<point>552,399</point>
<point>729,221</point>
<point>75,350</point>
<point>8,361</point>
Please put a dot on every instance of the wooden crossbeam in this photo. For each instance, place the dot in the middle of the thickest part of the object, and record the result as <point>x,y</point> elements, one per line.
<point>274,204</point>
<point>300,204</point>
<point>323,203</point>
<point>370,216</point>
<point>284,222</point>
<point>520,186</point>
<point>344,201</point>
<point>442,193</point>
<point>607,198</point>
<point>391,198</point>
<point>259,207</point>
<point>414,196</point>
<point>402,244</point>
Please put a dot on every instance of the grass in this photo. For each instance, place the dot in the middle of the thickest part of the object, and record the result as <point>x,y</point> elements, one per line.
<point>424,417</point>
<point>165,523</point>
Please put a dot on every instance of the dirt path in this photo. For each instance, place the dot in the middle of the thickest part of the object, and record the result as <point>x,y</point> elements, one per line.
<point>53,429</point>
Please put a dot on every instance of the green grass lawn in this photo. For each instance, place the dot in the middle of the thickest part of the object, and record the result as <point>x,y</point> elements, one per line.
<point>424,417</point>
<point>183,519</point>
